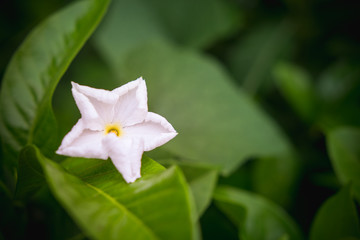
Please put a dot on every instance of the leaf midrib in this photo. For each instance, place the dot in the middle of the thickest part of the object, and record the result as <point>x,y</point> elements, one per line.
<point>122,208</point>
<point>46,99</point>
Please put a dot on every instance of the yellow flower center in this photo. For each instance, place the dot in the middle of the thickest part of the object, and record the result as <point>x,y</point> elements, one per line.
<point>113,128</point>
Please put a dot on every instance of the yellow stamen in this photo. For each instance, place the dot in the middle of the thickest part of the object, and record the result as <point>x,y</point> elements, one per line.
<point>113,128</point>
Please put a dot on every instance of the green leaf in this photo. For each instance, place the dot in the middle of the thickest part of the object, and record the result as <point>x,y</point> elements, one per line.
<point>256,217</point>
<point>336,218</point>
<point>157,206</point>
<point>277,178</point>
<point>129,21</point>
<point>30,174</point>
<point>295,84</point>
<point>202,182</point>
<point>338,90</point>
<point>343,144</point>
<point>124,28</point>
<point>252,58</point>
<point>197,23</point>
<point>34,71</point>
<point>338,82</point>
<point>218,124</point>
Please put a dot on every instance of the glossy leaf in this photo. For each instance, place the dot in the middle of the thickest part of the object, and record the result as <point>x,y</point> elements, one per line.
<point>219,125</point>
<point>343,144</point>
<point>154,199</point>
<point>202,181</point>
<point>296,86</point>
<point>337,218</point>
<point>34,71</point>
<point>256,217</point>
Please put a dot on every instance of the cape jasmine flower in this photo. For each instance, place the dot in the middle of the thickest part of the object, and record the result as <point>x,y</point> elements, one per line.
<point>116,124</point>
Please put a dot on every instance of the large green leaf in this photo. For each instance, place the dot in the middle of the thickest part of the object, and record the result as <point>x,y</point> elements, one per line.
<point>124,28</point>
<point>131,23</point>
<point>336,219</point>
<point>343,144</point>
<point>256,217</point>
<point>34,71</point>
<point>93,188</point>
<point>202,181</point>
<point>159,200</point>
<point>196,23</point>
<point>218,124</point>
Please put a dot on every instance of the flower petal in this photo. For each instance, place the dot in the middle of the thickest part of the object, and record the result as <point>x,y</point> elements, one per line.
<point>81,142</point>
<point>155,131</point>
<point>131,107</point>
<point>126,154</point>
<point>96,105</point>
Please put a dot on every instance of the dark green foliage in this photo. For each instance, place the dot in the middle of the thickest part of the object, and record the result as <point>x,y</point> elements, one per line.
<point>264,94</point>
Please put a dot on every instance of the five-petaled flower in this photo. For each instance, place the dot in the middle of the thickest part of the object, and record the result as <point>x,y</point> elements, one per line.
<point>116,124</point>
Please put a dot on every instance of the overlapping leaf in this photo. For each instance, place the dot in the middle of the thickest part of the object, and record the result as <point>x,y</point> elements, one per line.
<point>343,144</point>
<point>256,217</point>
<point>192,23</point>
<point>337,218</point>
<point>34,71</point>
<point>105,207</point>
<point>202,182</point>
<point>218,123</point>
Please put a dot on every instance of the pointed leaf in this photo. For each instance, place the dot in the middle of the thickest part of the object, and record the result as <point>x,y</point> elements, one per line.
<point>99,215</point>
<point>202,182</point>
<point>34,71</point>
<point>296,86</point>
<point>343,144</point>
<point>219,125</point>
<point>336,218</point>
<point>129,21</point>
<point>158,204</point>
<point>123,29</point>
<point>154,203</point>
<point>256,217</point>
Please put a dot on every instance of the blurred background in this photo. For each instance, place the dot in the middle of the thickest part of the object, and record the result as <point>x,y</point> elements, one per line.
<point>297,60</point>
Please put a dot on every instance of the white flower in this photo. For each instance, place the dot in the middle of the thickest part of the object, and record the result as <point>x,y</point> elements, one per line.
<point>116,124</point>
